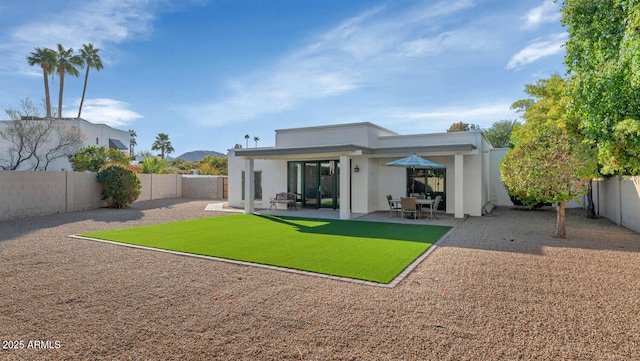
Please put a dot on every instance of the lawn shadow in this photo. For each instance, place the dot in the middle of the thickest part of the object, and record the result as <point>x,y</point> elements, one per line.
<point>365,229</point>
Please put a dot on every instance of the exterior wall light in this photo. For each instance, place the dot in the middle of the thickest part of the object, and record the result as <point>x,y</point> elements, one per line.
<point>356,169</point>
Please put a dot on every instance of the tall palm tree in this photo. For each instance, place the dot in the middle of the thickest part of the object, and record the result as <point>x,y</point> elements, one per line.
<point>246,138</point>
<point>132,141</point>
<point>46,58</point>
<point>66,62</point>
<point>91,59</point>
<point>256,139</point>
<point>163,144</point>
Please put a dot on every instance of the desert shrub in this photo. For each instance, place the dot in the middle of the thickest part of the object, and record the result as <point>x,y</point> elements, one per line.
<point>120,185</point>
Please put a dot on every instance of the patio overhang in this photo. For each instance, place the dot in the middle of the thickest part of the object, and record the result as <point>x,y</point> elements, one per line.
<point>335,151</point>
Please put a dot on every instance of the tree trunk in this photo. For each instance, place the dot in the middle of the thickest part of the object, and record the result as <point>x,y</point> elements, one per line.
<point>61,73</point>
<point>561,232</point>
<point>47,98</point>
<point>591,208</point>
<point>84,89</point>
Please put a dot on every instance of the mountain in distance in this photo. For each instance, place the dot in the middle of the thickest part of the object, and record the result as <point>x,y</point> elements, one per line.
<point>196,155</point>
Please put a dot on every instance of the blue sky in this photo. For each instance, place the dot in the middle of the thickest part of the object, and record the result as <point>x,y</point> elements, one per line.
<point>207,72</point>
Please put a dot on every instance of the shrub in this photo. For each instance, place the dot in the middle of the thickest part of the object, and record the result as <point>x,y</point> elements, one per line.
<point>120,185</point>
<point>93,157</point>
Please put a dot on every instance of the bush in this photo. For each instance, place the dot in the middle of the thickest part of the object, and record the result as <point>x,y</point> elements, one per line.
<point>120,185</point>
<point>92,158</point>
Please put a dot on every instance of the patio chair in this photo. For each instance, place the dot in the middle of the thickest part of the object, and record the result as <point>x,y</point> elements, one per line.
<point>434,209</point>
<point>418,195</point>
<point>409,205</point>
<point>393,206</point>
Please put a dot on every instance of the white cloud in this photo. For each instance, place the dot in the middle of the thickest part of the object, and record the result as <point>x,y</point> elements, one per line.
<point>350,56</point>
<point>97,22</point>
<point>548,12</point>
<point>440,119</point>
<point>111,112</point>
<point>538,49</point>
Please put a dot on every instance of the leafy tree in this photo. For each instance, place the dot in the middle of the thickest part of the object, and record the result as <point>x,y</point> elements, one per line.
<point>91,59</point>
<point>499,135</point>
<point>163,144</point>
<point>549,166</point>
<point>549,161</point>
<point>462,127</point>
<point>46,58</point>
<point>120,185</point>
<point>92,158</point>
<point>212,165</point>
<point>33,142</point>
<point>66,62</point>
<point>602,55</point>
<point>182,164</point>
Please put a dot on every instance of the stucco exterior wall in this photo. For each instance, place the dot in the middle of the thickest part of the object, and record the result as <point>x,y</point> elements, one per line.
<point>498,193</point>
<point>618,199</point>
<point>95,135</point>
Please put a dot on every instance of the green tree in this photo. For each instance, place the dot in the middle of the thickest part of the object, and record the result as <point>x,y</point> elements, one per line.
<point>549,161</point>
<point>602,58</point>
<point>120,185</point>
<point>163,144</point>
<point>91,59</point>
<point>548,165</point>
<point>212,165</point>
<point>66,63</point>
<point>92,158</point>
<point>499,135</point>
<point>462,127</point>
<point>46,58</point>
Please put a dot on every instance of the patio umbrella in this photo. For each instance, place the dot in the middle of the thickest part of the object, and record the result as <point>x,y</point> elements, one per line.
<point>413,162</point>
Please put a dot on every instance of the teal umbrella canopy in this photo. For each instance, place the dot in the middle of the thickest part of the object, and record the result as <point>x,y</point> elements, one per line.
<point>413,161</point>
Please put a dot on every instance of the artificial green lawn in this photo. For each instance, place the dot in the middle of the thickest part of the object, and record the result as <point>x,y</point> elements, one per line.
<point>371,251</point>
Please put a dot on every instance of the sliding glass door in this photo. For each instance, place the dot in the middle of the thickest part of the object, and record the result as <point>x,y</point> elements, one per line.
<point>317,182</point>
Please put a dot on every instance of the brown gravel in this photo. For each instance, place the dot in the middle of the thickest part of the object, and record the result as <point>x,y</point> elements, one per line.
<point>499,288</point>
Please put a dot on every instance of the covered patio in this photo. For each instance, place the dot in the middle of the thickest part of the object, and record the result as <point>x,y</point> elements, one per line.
<point>312,162</point>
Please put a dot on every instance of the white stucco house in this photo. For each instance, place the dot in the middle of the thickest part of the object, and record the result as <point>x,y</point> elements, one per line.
<point>100,135</point>
<point>343,167</point>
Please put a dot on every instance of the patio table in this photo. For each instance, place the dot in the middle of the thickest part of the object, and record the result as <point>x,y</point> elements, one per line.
<point>425,202</point>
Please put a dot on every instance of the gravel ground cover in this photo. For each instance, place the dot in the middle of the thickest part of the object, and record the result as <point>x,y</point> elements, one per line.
<point>498,288</point>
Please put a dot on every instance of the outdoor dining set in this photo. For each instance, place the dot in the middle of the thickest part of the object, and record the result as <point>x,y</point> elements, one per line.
<point>414,205</point>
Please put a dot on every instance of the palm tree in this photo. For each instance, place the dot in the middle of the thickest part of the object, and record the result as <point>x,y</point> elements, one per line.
<point>90,57</point>
<point>163,144</point>
<point>132,142</point>
<point>66,62</point>
<point>256,139</point>
<point>246,138</point>
<point>46,58</point>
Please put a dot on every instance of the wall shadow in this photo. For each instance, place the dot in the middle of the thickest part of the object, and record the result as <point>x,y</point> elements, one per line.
<point>509,229</point>
<point>100,217</point>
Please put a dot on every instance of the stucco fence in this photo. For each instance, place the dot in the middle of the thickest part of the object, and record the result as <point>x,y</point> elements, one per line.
<point>618,199</point>
<point>25,194</point>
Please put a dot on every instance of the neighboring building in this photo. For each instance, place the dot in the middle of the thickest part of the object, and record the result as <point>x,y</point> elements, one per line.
<point>312,161</point>
<point>95,135</point>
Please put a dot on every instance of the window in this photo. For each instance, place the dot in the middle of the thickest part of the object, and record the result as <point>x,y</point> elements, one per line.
<point>257,184</point>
